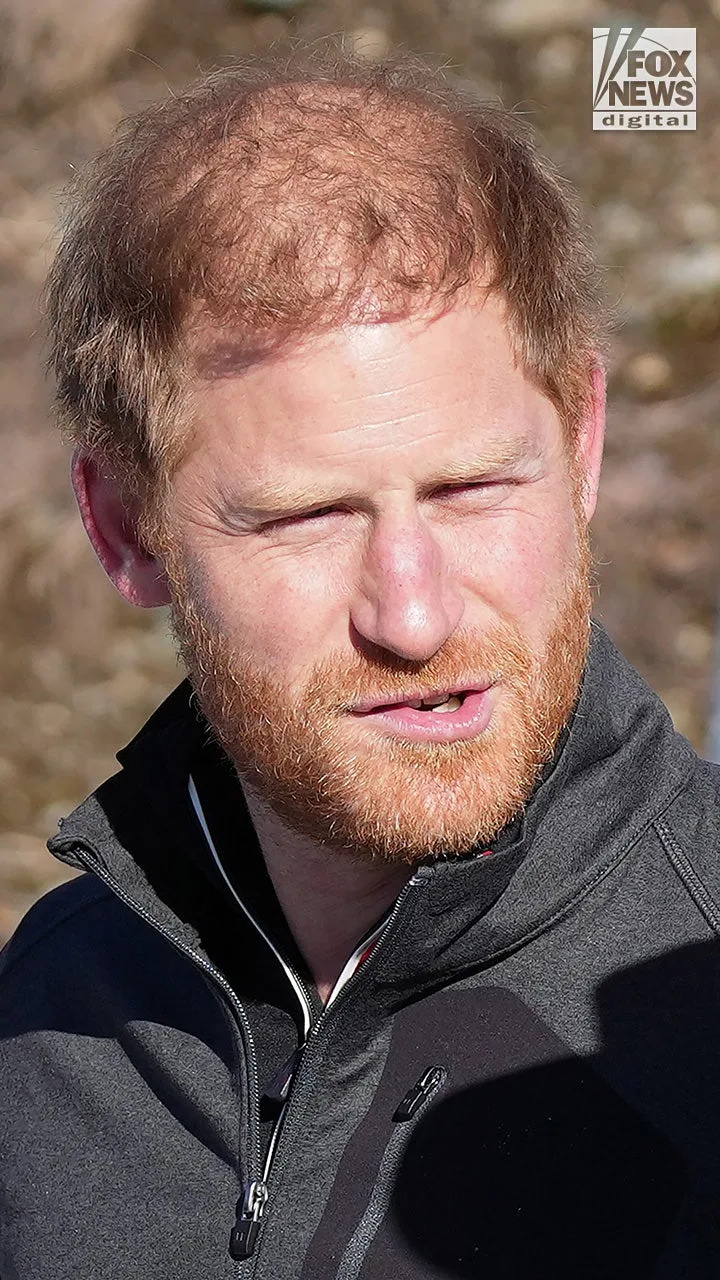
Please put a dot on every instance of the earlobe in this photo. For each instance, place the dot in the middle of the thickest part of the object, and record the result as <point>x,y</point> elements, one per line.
<point>140,578</point>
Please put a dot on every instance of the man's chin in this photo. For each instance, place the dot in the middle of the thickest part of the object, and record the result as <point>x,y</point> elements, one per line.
<point>385,799</point>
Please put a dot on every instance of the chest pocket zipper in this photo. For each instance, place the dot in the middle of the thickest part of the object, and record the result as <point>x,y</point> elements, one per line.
<point>405,1117</point>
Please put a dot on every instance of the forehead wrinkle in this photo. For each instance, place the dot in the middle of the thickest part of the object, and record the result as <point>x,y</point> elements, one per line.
<point>410,384</point>
<point>395,420</point>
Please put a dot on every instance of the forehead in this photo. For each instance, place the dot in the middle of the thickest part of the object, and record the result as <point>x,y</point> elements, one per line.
<point>367,391</point>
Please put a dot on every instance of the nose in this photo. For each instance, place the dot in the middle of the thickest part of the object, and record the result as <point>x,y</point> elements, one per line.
<point>408,601</point>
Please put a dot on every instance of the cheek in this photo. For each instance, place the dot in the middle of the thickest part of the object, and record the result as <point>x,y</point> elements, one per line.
<point>283,607</point>
<point>517,565</point>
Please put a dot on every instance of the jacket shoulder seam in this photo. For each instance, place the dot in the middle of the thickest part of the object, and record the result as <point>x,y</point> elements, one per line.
<point>704,900</point>
<point>97,891</point>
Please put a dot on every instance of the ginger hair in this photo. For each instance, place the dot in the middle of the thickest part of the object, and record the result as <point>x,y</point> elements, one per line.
<point>286,195</point>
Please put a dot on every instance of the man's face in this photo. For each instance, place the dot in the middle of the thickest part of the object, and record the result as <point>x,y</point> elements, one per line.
<point>389,578</point>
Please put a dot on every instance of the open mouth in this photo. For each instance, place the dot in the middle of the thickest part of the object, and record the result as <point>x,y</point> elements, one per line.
<point>443,702</point>
<point>439,703</point>
<point>437,716</point>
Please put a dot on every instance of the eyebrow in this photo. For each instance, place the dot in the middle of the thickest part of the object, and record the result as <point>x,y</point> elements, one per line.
<point>278,500</point>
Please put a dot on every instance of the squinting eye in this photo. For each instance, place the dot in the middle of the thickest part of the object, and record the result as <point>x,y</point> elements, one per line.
<point>449,489</point>
<point>299,519</point>
<point>321,511</point>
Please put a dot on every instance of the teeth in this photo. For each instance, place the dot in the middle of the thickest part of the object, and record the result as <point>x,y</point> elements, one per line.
<point>440,702</point>
<point>451,704</point>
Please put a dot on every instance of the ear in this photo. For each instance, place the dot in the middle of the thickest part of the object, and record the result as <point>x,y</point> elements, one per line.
<point>590,441</point>
<point>111,528</point>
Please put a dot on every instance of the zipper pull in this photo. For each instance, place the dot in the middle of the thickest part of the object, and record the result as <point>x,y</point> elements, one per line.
<point>250,1209</point>
<point>426,1085</point>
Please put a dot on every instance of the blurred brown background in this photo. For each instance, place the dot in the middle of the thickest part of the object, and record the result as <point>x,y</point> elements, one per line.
<point>79,669</point>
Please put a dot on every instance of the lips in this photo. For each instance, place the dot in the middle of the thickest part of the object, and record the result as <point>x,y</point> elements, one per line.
<point>461,721</point>
<point>368,708</point>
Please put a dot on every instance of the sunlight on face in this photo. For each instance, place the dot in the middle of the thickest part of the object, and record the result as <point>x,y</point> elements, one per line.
<point>390,506</point>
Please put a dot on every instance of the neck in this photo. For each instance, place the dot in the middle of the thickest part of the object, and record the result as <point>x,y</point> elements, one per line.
<point>329,901</point>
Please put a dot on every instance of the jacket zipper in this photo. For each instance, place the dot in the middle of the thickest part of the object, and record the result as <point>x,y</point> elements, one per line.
<point>243,1236</point>
<point>251,1203</point>
<point>247,1227</point>
<point>255,1201</point>
<point>406,1117</point>
<point>251,1208</point>
<point>294,978</point>
<point>284,1132</point>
